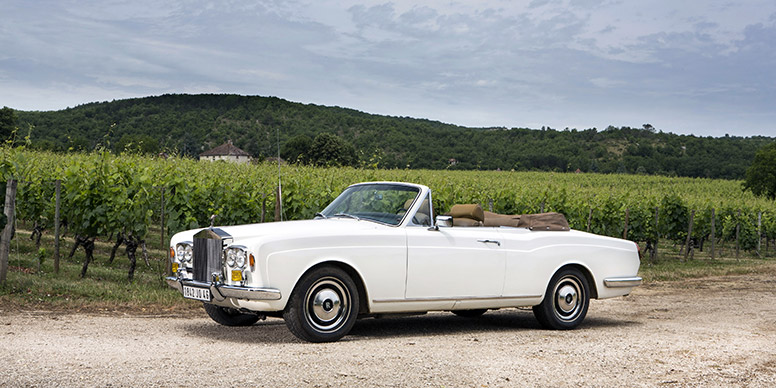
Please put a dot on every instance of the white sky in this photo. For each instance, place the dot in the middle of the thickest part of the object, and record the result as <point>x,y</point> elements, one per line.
<point>701,67</point>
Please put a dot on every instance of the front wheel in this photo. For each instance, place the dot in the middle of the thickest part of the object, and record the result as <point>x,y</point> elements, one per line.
<point>323,306</point>
<point>230,317</point>
<point>565,302</point>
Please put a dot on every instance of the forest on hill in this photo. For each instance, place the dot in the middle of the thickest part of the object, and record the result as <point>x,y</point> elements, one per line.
<point>190,124</point>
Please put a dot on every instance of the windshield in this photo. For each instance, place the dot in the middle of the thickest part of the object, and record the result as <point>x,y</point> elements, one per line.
<point>381,202</point>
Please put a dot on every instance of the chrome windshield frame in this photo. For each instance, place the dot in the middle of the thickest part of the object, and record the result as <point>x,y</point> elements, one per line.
<point>422,191</point>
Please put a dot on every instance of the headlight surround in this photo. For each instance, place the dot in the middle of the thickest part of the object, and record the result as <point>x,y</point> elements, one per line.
<point>236,256</point>
<point>184,251</point>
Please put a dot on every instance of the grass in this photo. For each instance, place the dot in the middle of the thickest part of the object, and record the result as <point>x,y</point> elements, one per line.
<point>672,266</point>
<point>667,269</point>
<point>105,288</point>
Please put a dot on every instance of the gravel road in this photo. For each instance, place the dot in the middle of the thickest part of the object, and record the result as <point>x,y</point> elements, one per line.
<point>712,332</point>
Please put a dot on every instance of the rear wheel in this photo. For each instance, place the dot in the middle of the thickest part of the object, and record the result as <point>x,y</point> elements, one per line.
<point>469,313</point>
<point>565,302</point>
<point>323,306</point>
<point>230,317</point>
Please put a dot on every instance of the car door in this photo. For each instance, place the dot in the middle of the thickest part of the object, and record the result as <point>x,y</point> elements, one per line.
<point>454,263</point>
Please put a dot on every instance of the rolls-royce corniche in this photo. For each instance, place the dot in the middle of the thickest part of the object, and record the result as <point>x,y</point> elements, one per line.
<point>379,248</point>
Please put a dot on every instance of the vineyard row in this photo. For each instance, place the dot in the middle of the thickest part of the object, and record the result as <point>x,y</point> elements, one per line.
<point>108,195</point>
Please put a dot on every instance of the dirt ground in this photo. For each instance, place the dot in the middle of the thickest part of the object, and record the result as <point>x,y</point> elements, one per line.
<point>712,332</point>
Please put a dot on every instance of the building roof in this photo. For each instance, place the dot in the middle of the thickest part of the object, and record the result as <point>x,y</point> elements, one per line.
<point>226,149</point>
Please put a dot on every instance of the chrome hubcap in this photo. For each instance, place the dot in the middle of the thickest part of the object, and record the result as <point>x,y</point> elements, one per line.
<point>568,298</point>
<point>327,304</point>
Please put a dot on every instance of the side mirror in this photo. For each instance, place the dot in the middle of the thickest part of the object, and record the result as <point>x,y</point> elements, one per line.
<point>444,221</point>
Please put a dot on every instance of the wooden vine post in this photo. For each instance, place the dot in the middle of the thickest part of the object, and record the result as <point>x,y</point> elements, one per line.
<point>657,232</point>
<point>760,233</point>
<point>5,238</point>
<point>57,204</point>
<point>589,218</point>
<point>625,231</point>
<point>713,233</point>
<point>161,244</point>
<point>738,230</point>
<point>689,235</point>
<point>167,263</point>
<point>263,207</point>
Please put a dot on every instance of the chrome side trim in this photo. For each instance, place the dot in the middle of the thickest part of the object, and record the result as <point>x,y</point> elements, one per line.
<point>634,281</point>
<point>222,291</point>
<point>454,299</point>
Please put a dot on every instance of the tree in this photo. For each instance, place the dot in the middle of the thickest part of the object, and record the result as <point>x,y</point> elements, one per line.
<point>8,121</point>
<point>183,123</point>
<point>137,144</point>
<point>330,150</point>
<point>761,175</point>
<point>297,149</point>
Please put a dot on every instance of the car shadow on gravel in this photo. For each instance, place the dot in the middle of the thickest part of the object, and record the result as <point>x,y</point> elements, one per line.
<point>449,324</point>
<point>271,330</point>
<point>274,330</point>
<point>443,324</point>
<point>604,323</point>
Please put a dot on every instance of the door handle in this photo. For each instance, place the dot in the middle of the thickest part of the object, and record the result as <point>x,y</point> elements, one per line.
<point>490,242</point>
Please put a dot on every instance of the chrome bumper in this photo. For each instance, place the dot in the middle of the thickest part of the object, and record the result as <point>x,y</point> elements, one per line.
<point>222,291</point>
<point>634,281</point>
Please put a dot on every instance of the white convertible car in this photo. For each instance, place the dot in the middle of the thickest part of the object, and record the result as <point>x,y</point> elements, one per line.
<point>378,249</point>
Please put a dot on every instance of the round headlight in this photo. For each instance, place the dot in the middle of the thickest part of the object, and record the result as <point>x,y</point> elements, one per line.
<point>184,252</point>
<point>230,256</point>
<point>239,258</point>
<point>188,253</point>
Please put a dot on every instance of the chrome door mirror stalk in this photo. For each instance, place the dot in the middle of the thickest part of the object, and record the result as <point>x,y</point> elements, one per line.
<point>444,222</point>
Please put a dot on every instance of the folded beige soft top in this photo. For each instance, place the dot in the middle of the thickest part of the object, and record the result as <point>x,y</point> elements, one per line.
<point>473,215</point>
<point>544,221</point>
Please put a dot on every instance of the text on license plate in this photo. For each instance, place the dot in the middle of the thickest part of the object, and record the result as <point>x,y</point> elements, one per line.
<point>196,293</point>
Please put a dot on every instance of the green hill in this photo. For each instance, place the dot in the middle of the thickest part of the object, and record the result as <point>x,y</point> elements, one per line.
<point>191,124</point>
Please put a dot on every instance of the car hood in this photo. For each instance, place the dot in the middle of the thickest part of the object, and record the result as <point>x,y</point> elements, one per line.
<point>287,229</point>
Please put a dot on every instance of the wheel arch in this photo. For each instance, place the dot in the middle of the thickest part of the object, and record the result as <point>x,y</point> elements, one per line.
<point>363,305</point>
<point>591,284</point>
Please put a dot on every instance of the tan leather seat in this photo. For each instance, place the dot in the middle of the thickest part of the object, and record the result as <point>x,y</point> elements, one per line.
<point>421,217</point>
<point>467,215</point>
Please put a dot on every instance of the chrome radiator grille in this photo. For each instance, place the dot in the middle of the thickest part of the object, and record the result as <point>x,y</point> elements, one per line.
<point>207,254</point>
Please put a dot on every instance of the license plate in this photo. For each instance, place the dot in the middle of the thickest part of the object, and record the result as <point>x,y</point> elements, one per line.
<point>196,293</point>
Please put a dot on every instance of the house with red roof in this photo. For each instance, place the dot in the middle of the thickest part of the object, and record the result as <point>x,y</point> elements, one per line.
<point>228,152</point>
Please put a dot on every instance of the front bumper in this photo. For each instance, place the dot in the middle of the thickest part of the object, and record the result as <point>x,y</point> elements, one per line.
<point>221,291</point>
<point>634,281</point>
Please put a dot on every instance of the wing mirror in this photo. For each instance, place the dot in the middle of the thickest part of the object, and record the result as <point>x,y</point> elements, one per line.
<point>443,221</point>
